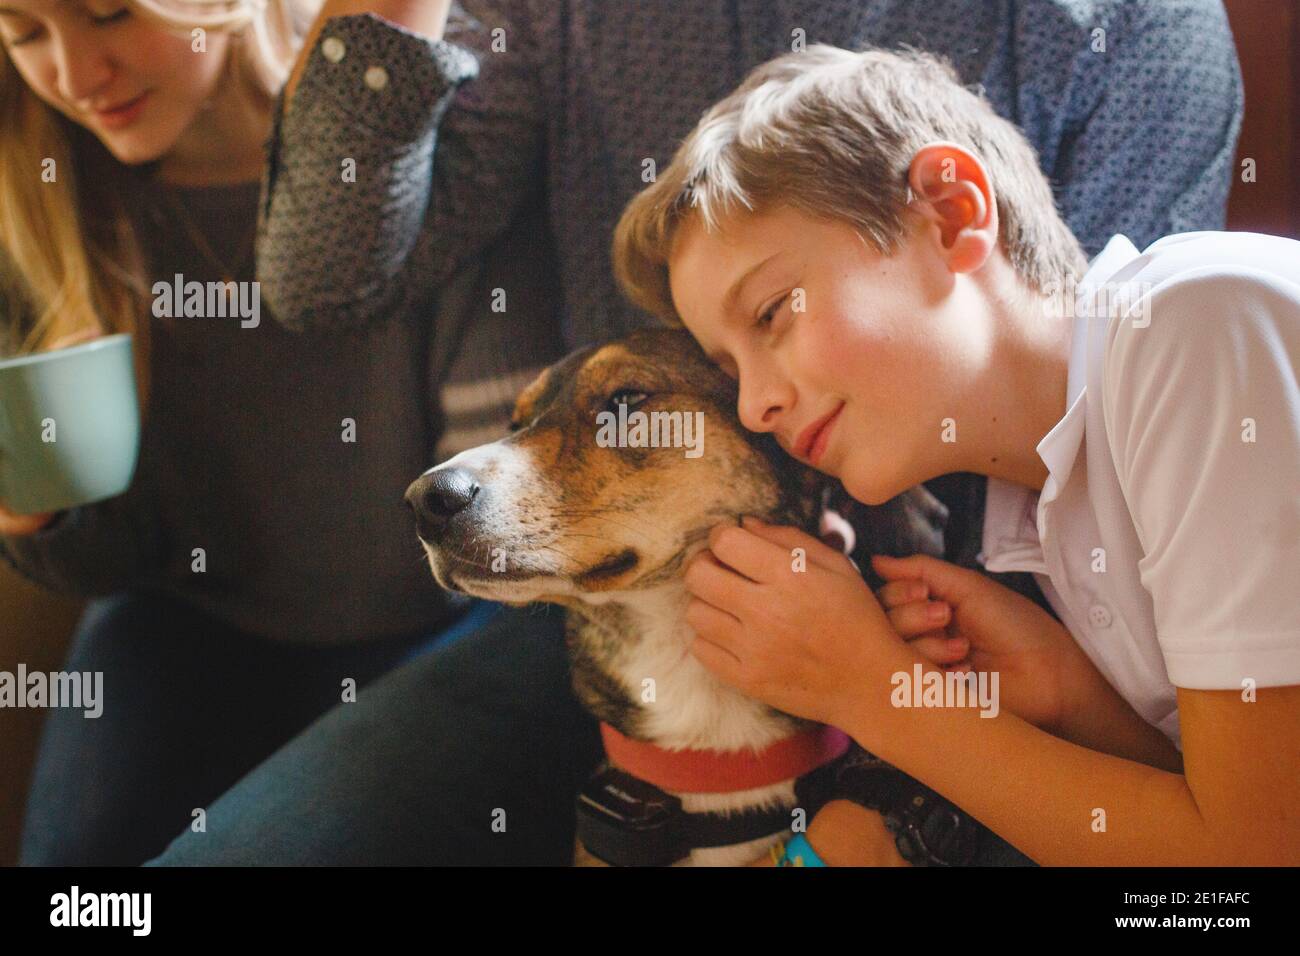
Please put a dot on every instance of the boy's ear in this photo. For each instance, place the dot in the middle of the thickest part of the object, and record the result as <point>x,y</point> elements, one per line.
<point>951,188</point>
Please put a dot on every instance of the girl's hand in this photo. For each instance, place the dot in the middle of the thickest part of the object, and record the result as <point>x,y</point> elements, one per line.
<point>76,338</point>
<point>18,525</point>
<point>979,624</point>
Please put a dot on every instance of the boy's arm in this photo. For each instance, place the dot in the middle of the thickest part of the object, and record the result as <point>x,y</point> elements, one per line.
<point>1214,510</point>
<point>402,157</point>
<point>1065,805</point>
<point>1152,112</point>
<point>1097,717</point>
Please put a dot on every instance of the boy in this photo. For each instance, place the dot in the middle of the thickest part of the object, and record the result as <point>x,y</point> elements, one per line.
<point>873,253</point>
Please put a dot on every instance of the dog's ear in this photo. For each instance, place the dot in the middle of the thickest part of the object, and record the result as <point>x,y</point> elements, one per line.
<point>527,400</point>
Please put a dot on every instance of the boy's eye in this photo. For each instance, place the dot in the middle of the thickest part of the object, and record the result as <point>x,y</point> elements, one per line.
<point>27,37</point>
<point>767,316</point>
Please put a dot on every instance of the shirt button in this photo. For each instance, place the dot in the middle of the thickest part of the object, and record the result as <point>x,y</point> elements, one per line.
<point>376,78</point>
<point>333,49</point>
<point>1099,615</point>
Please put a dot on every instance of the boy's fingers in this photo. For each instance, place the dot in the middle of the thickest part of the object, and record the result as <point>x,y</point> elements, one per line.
<point>946,581</point>
<point>915,618</point>
<point>818,552</point>
<point>750,555</point>
<point>894,593</point>
<point>941,649</point>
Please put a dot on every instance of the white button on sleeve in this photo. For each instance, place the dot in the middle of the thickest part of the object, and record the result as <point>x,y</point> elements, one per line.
<point>1099,616</point>
<point>376,78</point>
<point>333,49</point>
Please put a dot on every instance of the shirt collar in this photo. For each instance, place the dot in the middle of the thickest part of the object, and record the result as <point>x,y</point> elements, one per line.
<point>1060,447</point>
<point>1011,540</point>
<point>1118,253</point>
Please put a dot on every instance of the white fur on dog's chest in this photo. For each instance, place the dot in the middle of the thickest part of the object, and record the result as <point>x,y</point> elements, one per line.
<point>686,706</point>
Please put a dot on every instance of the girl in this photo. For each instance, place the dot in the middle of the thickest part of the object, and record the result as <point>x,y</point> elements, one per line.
<point>261,565</point>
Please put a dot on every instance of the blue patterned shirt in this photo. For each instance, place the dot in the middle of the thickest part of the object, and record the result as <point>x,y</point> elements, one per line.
<point>1134,107</point>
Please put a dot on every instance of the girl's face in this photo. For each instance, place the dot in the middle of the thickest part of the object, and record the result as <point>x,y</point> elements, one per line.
<point>133,83</point>
<point>850,358</point>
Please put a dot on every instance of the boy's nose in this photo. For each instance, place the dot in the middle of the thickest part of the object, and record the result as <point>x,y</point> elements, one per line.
<point>761,407</point>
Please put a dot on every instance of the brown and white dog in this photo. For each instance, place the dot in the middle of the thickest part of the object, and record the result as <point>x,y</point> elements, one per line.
<point>551,513</point>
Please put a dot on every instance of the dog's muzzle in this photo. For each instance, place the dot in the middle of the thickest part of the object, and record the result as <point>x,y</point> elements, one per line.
<point>436,497</point>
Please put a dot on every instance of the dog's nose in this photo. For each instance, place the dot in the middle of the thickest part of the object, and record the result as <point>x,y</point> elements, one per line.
<point>439,496</point>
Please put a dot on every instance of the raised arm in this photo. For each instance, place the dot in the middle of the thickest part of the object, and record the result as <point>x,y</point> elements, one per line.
<point>426,17</point>
<point>385,173</point>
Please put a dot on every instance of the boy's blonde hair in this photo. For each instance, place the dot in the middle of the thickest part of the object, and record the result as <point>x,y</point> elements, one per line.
<point>832,133</point>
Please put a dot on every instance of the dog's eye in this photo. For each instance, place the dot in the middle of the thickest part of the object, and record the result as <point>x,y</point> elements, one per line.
<point>625,396</point>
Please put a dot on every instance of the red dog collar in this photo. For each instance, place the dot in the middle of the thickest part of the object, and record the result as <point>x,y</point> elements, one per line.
<point>722,771</point>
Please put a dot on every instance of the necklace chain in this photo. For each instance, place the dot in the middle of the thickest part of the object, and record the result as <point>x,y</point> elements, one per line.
<point>224,269</point>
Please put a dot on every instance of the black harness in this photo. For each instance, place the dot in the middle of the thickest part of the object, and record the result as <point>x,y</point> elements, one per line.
<point>625,821</point>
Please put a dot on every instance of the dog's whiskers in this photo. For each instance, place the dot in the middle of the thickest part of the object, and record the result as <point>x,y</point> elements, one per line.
<point>604,516</point>
<point>460,557</point>
<point>567,557</point>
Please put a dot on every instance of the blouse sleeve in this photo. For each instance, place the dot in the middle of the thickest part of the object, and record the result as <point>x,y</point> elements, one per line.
<point>399,159</point>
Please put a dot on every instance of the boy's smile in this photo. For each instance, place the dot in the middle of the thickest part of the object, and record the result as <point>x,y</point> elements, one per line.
<point>812,443</point>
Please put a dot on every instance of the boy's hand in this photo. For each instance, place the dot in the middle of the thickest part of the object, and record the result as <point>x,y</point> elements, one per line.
<point>983,626</point>
<point>1045,678</point>
<point>845,834</point>
<point>800,632</point>
<point>923,624</point>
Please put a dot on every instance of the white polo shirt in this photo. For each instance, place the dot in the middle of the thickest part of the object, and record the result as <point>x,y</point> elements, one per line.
<point>1167,535</point>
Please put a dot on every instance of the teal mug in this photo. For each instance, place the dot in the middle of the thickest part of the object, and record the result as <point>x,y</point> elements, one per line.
<point>69,426</point>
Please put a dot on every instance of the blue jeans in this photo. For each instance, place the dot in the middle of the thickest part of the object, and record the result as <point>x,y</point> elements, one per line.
<point>468,752</point>
<point>443,731</point>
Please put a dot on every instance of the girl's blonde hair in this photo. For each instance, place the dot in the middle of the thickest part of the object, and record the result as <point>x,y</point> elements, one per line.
<point>72,260</point>
<point>832,133</point>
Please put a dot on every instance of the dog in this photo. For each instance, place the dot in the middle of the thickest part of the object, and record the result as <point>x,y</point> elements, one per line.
<point>555,512</point>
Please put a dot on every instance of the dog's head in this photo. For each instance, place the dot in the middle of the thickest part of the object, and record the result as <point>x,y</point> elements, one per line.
<point>620,460</point>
